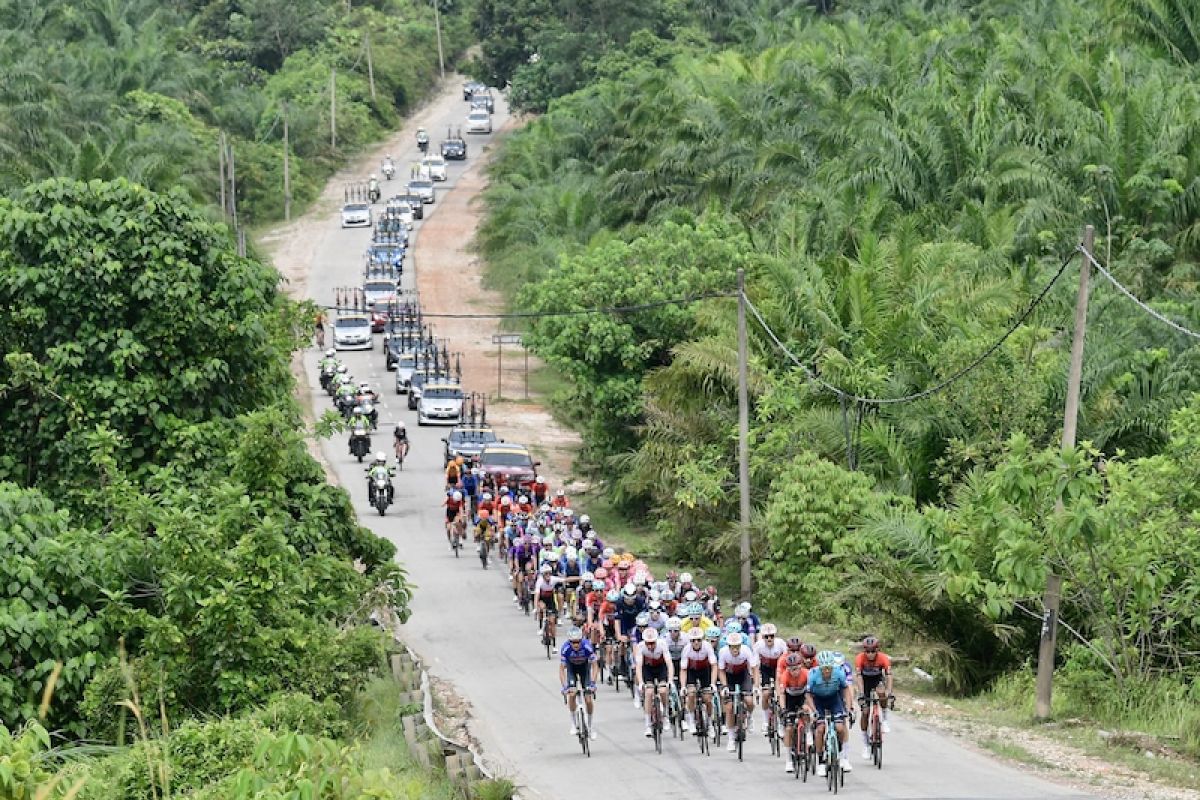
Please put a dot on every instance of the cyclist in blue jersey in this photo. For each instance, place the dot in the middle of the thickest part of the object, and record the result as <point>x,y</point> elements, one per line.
<point>577,669</point>
<point>829,693</point>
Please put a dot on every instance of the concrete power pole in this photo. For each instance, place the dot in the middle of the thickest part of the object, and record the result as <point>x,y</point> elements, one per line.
<point>287,173</point>
<point>333,108</point>
<point>743,441</point>
<point>437,21</point>
<point>1053,596</point>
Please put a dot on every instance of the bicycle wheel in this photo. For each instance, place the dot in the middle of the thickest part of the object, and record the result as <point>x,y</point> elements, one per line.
<point>701,726</point>
<point>656,721</point>
<point>584,733</point>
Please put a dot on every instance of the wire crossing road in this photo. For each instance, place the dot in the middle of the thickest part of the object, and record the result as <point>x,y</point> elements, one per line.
<point>467,629</point>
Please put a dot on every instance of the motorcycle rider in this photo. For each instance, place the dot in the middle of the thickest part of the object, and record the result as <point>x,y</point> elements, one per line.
<point>328,367</point>
<point>388,167</point>
<point>359,428</point>
<point>422,140</point>
<point>373,187</point>
<point>379,469</point>
<point>345,397</point>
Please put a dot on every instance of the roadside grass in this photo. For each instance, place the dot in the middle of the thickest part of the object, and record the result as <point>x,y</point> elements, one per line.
<point>1012,751</point>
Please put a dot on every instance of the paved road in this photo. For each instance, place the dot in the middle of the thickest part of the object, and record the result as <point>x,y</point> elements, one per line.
<point>468,631</point>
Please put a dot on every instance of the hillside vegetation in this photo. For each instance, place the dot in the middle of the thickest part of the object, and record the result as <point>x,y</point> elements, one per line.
<point>901,182</point>
<point>184,598</point>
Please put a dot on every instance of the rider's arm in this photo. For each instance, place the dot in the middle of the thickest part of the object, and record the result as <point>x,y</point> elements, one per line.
<point>670,668</point>
<point>637,649</point>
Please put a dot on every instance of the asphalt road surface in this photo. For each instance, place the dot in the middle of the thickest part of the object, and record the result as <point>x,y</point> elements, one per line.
<point>469,632</point>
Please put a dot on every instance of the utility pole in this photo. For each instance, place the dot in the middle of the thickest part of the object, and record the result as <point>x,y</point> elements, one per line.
<point>333,108</point>
<point>370,67</point>
<point>1053,595</point>
<point>437,22</point>
<point>287,174</point>
<point>743,440</point>
<point>221,169</point>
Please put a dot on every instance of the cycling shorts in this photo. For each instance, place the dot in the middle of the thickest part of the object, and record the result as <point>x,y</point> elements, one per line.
<point>744,680</point>
<point>610,630</point>
<point>626,625</point>
<point>766,675</point>
<point>793,703</point>
<point>871,683</point>
<point>829,705</point>
<point>580,675</point>
<point>451,513</point>
<point>550,601</point>
<point>654,672</point>
<point>700,677</point>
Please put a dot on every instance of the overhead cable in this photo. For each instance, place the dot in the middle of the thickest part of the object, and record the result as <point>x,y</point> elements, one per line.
<point>579,312</point>
<point>1092,260</point>
<point>881,401</point>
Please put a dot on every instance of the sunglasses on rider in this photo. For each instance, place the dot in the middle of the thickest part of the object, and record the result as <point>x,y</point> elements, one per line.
<point>768,636</point>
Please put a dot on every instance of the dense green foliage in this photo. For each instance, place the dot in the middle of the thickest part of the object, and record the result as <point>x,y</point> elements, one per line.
<point>140,88</point>
<point>156,494</point>
<point>905,180</point>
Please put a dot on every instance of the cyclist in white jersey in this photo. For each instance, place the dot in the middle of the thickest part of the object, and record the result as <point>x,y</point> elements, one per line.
<point>768,649</point>
<point>653,664</point>
<point>737,665</point>
<point>698,671</point>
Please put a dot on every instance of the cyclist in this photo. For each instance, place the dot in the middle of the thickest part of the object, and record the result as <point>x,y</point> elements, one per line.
<point>793,646</point>
<point>400,442</point>
<point>653,664</point>
<point>454,471</point>
<point>577,666</point>
<point>839,661</point>
<point>749,622</point>
<point>736,664</point>
<point>829,693</point>
<point>675,642</point>
<point>560,500</point>
<point>874,670</point>
<point>539,490</point>
<point>789,691</point>
<point>608,620</point>
<point>696,619</point>
<point>454,506</point>
<point>768,649</point>
<point>658,619</point>
<point>543,590</point>
<point>697,672</point>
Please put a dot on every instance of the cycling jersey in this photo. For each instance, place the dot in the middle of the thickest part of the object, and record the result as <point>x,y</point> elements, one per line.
<point>793,684</point>
<point>818,686</point>
<point>698,663</point>
<point>627,613</point>
<point>704,624</point>
<point>768,657</point>
<point>872,669</point>
<point>581,656</point>
<point>675,645</point>
<point>751,625</point>
<point>653,654</point>
<point>736,663</point>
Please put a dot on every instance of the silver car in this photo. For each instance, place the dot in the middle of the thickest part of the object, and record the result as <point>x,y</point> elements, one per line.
<point>479,121</point>
<point>379,289</point>
<point>435,166</point>
<point>352,332</point>
<point>423,188</point>
<point>441,403</point>
<point>356,215</point>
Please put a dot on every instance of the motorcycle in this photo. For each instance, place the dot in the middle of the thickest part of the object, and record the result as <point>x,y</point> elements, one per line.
<point>373,193</point>
<point>360,445</point>
<point>371,413</point>
<point>423,144</point>
<point>327,374</point>
<point>389,170</point>
<point>381,493</point>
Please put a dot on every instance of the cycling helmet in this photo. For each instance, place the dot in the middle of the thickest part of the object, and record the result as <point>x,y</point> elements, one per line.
<point>608,555</point>
<point>734,640</point>
<point>630,557</point>
<point>341,369</point>
<point>695,635</point>
<point>713,633</point>
<point>601,573</point>
<point>505,500</point>
<point>870,644</point>
<point>457,495</point>
<point>667,596</point>
<point>587,577</point>
<point>400,425</point>
<point>695,610</point>
<point>674,624</point>
<point>839,659</point>
<point>330,353</point>
<point>643,619</point>
<point>622,565</point>
<point>560,493</point>
<point>711,591</point>
<point>575,635</point>
<point>826,658</point>
<point>572,554</point>
<point>639,579</point>
<point>597,585</point>
<point>357,411</point>
<point>584,519</point>
<point>794,660</point>
<point>733,626</point>
<point>568,513</point>
<point>522,499</point>
<point>768,629</point>
<point>487,496</point>
<point>545,507</point>
<point>650,636</point>
<point>547,569</point>
<point>672,575</point>
<point>628,591</point>
<point>655,606</point>
<point>794,643</point>
<point>613,596</point>
<point>654,595</point>
<point>588,544</point>
<point>743,610</point>
<point>808,651</point>
<point>539,479</point>
<point>685,577</point>
<point>690,597</point>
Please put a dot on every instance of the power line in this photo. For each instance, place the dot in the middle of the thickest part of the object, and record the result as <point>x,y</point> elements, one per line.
<point>881,401</point>
<point>1132,297</point>
<point>679,301</point>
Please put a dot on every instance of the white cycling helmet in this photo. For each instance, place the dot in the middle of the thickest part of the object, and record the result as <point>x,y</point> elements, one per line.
<point>734,640</point>
<point>487,495</point>
<point>608,553</point>
<point>769,629</point>
<point>545,507</point>
<point>457,495</point>
<point>331,353</point>
<point>546,569</point>
<point>522,499</point>
<point>743,610</point>
<point>696,635</point>
<point>587,577</point>
<point>674,624</point>
<point>400,425</point>
<point>650,636</point>
<point>685,577</point>
<point>584,519</point>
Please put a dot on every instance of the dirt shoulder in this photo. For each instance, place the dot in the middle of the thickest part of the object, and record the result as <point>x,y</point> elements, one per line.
<point>449,278</point>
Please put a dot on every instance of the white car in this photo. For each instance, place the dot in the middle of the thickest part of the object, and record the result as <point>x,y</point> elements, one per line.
<point>356,215</point>
<point>434,167</point>
<point>479,121</point>
<point>379,289</point>
<point>422,187</point>
<point>441,403</point>
<point>353,332</point>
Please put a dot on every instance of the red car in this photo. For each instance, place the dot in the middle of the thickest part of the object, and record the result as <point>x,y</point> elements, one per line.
<point>379,313</point>
<point>509,463</point>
